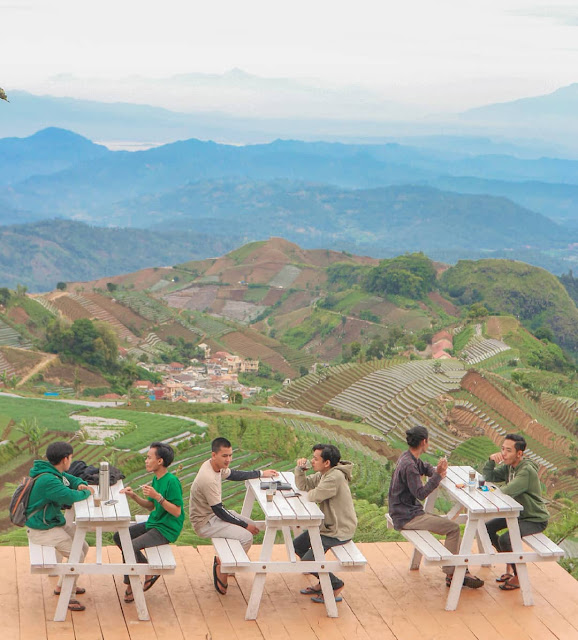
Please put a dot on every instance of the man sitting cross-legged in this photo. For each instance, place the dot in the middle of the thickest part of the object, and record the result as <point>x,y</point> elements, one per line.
<point>208,516</point>
<point>407,489</point>
<point>522,484</point>
<point>329,487</point>
<point>164,497</point>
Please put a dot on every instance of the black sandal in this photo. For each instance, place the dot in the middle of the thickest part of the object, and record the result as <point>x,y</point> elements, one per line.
<point>74,605</point>
<point>219,584</point>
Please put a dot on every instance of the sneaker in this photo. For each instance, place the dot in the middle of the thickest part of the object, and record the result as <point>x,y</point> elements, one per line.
<point>473,582</point>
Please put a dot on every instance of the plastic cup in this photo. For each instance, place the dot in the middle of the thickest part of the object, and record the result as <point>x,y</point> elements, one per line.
<point>97,500</point>
<point>481,481</point>
<point>270,493</point>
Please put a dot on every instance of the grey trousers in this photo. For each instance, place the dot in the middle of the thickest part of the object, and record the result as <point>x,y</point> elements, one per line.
<point>217,528</point>
<point>442,526</point>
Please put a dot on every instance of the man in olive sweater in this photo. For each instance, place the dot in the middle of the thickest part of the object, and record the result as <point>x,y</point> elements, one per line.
<point>54,488</point>
<point>521,483</point>
<point>329,487</point>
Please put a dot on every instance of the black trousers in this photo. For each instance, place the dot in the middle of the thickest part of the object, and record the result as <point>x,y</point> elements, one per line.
<point>302,546</point>
<point>503,542</point>
<point>142,538</point>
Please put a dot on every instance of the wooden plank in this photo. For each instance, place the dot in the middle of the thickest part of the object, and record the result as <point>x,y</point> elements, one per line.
<point>32,627</point>
<point>234,603</point>
<point>105,603</point>
<point>36,555</point>
<point>223,550</point>
<point>412,595</point>
<point>167,556</point>
<point>138,629</point>
<point>9,611</point>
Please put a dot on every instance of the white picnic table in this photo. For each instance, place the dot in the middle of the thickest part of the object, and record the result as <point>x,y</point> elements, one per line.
<point>114,517</point>
<point>289,510</point>
<point>478,507</point>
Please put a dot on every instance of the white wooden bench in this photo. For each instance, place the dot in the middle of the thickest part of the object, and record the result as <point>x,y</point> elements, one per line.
<point>231,554</point>
<point>426,545</point>
<point>349,555</point>
<point>541,544</point>
<point>160,558</point>
<point>42,558</point>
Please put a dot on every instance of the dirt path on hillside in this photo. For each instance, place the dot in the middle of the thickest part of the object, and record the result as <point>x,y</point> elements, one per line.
<point>50,357</point>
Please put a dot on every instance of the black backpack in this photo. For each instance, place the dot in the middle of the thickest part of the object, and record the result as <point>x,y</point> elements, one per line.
<point>20,499</point>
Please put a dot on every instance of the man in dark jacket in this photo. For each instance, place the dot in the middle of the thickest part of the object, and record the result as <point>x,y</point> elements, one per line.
<point>521,483</point>
<point>52,489</point>
<point>407,490</point>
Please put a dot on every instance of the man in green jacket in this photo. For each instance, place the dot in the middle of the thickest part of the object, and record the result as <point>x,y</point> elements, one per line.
<point>521,483</point>
<point>54,488</point>
<point>329,487</point>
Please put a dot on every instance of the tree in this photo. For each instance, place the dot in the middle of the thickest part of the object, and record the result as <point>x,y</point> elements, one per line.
<point>33,432</point>
<point>5,296</point>
<point>111,286</point>
<point>61,286</point>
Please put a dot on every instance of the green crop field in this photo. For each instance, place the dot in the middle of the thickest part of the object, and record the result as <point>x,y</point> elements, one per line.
<point>51,414</point>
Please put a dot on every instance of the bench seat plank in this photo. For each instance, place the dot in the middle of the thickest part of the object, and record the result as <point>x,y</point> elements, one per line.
<point>348,554</point>
<point>543,545</point>
<point>230,552</point>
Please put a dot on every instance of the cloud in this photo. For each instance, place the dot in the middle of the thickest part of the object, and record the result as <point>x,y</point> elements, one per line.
<point>561,14</point>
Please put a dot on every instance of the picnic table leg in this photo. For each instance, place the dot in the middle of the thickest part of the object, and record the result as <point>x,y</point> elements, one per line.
<point>483,540</point>
<point>460,571</point>
<point>135,583</point>
<point>248,502</point>
<point>69,580</point>
<point>521,569</point>
<point>259,579</point>
<point>324,580</point>
<point>289,544</point>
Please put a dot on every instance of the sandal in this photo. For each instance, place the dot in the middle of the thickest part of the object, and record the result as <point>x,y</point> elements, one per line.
<point>149,582</point>
<point>220,586</point>
<point>79,591</point>
<point>321,600</point>
<point>508,586</point>
<point>504,577</point>
<point>128,595</point>
<point>74,605</point>
<point>311,591</point>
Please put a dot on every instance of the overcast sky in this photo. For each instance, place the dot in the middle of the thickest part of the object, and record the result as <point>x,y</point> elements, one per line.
<point>445,54</point>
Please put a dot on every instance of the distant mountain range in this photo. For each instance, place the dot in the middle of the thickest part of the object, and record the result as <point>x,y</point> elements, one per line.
<point>375,199</point>
<point>542,125</point>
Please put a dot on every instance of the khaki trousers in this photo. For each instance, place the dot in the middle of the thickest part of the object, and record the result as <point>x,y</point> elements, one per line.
<point>442,526</point>
<point>217,528</point>
<point>61,539</point>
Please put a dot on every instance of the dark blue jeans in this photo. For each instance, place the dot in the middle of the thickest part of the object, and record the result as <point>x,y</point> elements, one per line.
<point>142,538</point>
<point>503,542</point>
<point>302,546</point>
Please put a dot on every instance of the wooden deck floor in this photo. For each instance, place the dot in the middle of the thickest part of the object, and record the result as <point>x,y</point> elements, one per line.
<point>387,601</point>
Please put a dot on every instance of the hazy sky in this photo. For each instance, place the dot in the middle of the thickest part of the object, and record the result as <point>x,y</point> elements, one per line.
<point>442,54</point>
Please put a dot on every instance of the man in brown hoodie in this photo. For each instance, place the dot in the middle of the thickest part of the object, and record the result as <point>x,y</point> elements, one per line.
<point>329,487</point>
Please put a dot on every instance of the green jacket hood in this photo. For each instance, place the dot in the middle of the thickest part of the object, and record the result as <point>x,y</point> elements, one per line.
<point>43,466</point>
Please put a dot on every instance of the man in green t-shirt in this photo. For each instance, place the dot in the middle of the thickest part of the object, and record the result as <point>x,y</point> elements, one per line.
<point>164,497</point>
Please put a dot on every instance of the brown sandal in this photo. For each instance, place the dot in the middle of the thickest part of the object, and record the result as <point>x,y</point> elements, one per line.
<point>74,605</point>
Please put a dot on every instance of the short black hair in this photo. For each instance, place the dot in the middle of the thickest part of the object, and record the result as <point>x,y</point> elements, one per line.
<point>57,451</point>
<point>164,451</point>
<point>328,452</point>
<point>518,440</point>
<point>220,443</point>
<point>416,435</point>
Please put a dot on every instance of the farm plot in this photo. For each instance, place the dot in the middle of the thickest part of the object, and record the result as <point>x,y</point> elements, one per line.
<point>11,338</point>
<point>244,312</point>
<point>20,360</point>
<point>70,309</point>
<point>192,298</point>
<point>148,427</point>
<point>176,330</point>
<point>143,305</point>
<point>285,277</point>
<point>52,414</point>
<point>65,374</point>
<point>123,314</point>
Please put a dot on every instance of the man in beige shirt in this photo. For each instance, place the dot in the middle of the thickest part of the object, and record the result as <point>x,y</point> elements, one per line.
<point>210,519</point>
